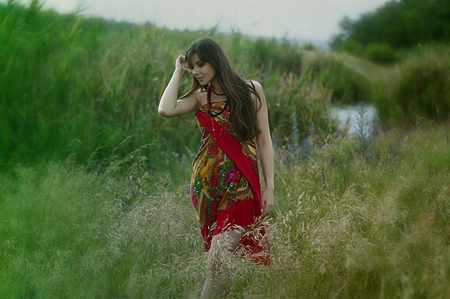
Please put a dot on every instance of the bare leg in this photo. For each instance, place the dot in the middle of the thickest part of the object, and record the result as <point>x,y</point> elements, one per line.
<point>219,282</point>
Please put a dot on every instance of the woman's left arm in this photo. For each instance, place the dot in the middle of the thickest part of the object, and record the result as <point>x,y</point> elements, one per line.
<point>265,151</point>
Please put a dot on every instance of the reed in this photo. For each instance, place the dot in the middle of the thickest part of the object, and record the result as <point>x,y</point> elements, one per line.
<point>422,90</point>
<point>419,91</point>
<point>81,87</point>
<point>347,84</point>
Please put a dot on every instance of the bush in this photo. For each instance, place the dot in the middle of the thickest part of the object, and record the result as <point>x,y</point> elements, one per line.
<point>348,85</point>
<point>309,47</point>
<point>270,54</point>
<point>380,53</point>
<point>423,86</point>
<point>352,47</point>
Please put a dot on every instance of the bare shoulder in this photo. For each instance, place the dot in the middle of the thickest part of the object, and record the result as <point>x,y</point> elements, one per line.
<point>200,97</point>
<point>256,84</point>
<point>258,87</point>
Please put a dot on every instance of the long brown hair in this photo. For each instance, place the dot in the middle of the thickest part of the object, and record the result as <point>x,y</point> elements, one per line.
<point>236,89</point>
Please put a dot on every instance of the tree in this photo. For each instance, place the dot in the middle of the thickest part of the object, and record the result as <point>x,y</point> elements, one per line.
<point>403,23</point>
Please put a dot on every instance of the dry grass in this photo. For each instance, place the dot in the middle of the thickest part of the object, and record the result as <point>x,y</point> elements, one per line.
<point>382,232</point>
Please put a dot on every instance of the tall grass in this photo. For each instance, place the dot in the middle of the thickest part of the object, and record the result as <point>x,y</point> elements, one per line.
<point>70,234</point>
<point>419,91</point>
<point>364,217</point>
<point>423,88</point>
<point>81,87</point>
<point>347,84</point>
<point>342,228</point>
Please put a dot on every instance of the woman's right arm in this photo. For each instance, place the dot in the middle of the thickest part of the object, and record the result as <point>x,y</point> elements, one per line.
<point>170,105</point>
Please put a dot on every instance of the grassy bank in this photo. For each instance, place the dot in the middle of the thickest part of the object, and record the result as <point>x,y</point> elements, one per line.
<point>345,226</point>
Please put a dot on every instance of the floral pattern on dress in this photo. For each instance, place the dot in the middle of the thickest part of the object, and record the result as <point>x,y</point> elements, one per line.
<point>216,181</point>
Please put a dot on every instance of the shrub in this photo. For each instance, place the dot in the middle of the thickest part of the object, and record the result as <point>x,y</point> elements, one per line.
<point>380,53</point>
<point>309,47</point>
<point>271,54</point>
<point>352,47</point>
<point>423,86</point>
<point>347,84</point>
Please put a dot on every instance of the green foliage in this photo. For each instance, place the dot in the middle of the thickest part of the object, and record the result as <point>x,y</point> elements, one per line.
<point>69,233</point>
<point>364,137</point>
<point>306,98</point>
<point>377,53</point>
<point>340,226</point>
<point>400,24</point>
<point>352,47</point>
<point>89,88</point>
<point>346,83</point>
<point>64,83</point>
<point>365,217</point>
<point>423,86</point>
<point>309,47</point>
<point>380,53</point>
<point>271,55</point>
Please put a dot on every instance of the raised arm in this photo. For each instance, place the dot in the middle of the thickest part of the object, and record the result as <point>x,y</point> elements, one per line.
<point>170,105</point>
<point>265,151</point>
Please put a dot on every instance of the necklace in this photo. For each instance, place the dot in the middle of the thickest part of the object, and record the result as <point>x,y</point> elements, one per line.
<point>208,97</point>
<point>217,94</point>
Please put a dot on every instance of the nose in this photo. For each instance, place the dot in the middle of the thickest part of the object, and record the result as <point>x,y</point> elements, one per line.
<point>195,70</point>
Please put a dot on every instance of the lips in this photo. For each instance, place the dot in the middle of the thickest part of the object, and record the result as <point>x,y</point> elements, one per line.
<point>200,80</point>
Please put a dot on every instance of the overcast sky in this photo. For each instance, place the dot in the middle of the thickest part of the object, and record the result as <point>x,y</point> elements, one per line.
<point>294,19</point>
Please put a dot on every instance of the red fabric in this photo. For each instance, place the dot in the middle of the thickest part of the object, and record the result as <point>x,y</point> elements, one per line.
<point>254,243</point>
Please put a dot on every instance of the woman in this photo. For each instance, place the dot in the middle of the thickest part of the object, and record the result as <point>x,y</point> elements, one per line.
<point>225,190</point>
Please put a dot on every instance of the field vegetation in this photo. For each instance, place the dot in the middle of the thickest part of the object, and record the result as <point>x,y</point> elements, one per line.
<point>94,184</point>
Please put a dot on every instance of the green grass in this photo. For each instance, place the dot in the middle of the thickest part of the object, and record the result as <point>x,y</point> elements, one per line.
<point>348,85</point>
<point>422,90</point>
<point>94,184</point>
<point>73,86</point>
<point>342,228</point>
<point>68,233</point>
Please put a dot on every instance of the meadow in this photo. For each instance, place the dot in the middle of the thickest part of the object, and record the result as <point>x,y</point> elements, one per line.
<point>346,225</point>
<point>94,184</point>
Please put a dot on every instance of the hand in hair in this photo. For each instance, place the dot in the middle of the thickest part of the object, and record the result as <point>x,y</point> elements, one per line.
<point>180,65</point>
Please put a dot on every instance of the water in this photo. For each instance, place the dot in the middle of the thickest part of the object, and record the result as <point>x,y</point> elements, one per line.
<point>347,117</point>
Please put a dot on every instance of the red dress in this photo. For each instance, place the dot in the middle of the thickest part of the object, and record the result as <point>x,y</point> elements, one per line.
<point>221,194</point>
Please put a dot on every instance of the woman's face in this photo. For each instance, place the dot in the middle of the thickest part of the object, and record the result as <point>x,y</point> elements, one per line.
<point>204,72</point>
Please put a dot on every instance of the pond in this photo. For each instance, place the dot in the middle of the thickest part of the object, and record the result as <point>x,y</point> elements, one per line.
<point>350,117</point>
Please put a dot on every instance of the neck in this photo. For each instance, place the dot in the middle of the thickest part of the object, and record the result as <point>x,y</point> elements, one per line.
<point>216,89</point>
<point>215,84</point>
